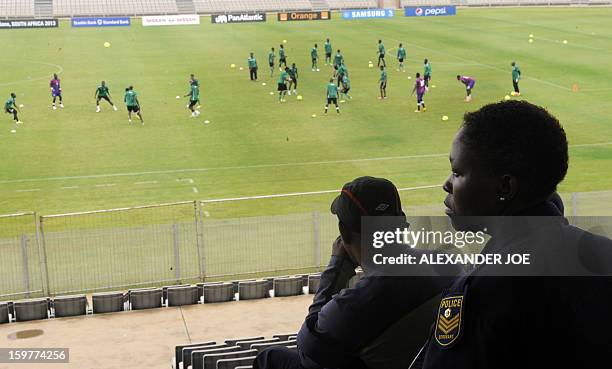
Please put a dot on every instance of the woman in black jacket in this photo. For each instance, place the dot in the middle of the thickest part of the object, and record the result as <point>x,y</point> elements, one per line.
<point>553,312</point>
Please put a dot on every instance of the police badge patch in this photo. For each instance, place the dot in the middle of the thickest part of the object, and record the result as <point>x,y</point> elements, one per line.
<point>448,325</point>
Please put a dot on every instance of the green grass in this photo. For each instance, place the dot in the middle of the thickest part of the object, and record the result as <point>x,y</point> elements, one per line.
<point>74,159</point>
<point>250,134</point>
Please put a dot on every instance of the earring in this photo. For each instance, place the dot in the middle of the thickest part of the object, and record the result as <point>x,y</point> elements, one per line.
<point>502,198</point>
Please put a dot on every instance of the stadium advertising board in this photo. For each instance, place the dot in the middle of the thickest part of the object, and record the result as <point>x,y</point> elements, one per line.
<point>170,20</point>
<point>29,23</point>
<point>238,18</point>
<point>304,16</point>
<point>429,11</point>
<point>367,13</point>
<point>101,22</point>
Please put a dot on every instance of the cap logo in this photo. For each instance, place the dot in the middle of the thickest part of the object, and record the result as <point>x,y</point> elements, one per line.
<point>382,207</point>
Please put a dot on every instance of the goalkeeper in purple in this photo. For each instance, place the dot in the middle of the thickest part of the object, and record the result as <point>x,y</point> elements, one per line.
<point>469,86</point>
<point>420,88</point>
<point>56,91</point>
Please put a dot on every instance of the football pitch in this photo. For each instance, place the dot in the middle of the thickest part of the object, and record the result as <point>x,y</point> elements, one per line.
<point>75,159</point>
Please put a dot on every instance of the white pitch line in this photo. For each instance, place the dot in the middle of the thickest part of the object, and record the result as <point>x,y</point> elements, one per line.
<point>145,182</point>
<point>291,194</point>
<point>206,214</point>
<point>595,89</point>
<point>256,166</point>
<point>570,44</point>
<point>105,185</point>
<point>29,190</point>
<point>485,65</point>
<point>69,187</point>
<point>237,167</point>
<point>60,69</point>
<point>195,190</point>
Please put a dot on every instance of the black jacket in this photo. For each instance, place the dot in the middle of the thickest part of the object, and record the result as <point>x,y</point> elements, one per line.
<point>559,317</point>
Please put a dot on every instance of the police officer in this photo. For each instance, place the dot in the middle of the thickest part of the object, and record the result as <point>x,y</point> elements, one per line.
<point>555,312</point>
<point>382,321</point>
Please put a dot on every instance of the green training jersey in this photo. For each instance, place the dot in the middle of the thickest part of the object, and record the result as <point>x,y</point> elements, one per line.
<point>313,53</point>
<point>428,69</point>
<point>130,98</point>
<point>328,48</point>
<point>281,53</point>
<point>383,76</point>
<point>401,53</point>
<point>381,48</point>
<point>271,57</point>
<point>332,91</point>
<point>252,62</point>
<point>102,91</point>
<point>195,93</point>
<point>293,72</point>
<point>283,77</point>
<point>338,59</point>
<point>10,103</point>
<point>342,69</point>
<point>345,82</point>
<point>516,72</point>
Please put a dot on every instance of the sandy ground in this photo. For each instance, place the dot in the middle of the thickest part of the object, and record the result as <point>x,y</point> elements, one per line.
<point>146,338</point>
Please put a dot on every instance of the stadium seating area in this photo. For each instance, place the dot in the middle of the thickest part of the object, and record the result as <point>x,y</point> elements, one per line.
<point>352,4</point>
<point>157,297</point>
<point>405,3</point>
<point>17,9</point>
<point>222,6</point>
<point>67,8</point>
<point>233,353</point>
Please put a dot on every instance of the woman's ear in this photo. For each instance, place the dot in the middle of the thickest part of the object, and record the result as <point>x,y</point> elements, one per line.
<point>508,188</point>
<point>345,233</point>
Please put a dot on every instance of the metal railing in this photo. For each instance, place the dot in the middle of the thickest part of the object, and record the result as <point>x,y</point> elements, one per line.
<point>177,243</point>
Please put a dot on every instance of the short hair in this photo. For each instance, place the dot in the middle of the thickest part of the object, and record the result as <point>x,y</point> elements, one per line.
<point>521,139</point>
<point>418,74</point>
<point>425,61</point>
<point>331,80</point>
<point>458,76</point>
<point>513,64</point>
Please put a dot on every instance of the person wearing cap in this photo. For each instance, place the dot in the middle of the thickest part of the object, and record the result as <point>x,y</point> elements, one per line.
<point>379,323</point>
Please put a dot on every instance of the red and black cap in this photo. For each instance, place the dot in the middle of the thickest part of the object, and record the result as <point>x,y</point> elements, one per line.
<point>366,196</point>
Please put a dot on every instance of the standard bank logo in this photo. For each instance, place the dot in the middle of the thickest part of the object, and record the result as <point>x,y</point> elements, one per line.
<point>221,19</point>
